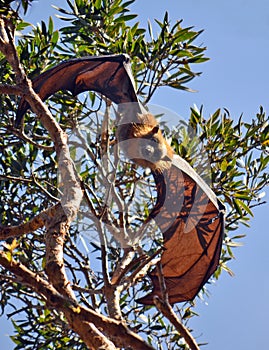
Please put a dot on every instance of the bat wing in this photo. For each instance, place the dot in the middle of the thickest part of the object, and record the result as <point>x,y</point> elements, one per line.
<point>192,222</point>
<point>109,75</point>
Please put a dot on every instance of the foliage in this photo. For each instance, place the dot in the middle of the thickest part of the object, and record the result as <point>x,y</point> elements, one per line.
<point>29,183</point>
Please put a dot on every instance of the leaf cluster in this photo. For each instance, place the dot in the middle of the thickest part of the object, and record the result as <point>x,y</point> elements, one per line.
<point>239,156</point>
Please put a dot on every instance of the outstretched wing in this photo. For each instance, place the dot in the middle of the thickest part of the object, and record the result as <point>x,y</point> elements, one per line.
<point>109,75</point>
<point>192,222</point>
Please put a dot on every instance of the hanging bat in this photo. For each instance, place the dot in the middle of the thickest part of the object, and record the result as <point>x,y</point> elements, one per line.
<point>187,211</point>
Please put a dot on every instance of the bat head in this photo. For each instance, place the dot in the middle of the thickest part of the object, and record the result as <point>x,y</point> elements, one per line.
<point>142,142</point>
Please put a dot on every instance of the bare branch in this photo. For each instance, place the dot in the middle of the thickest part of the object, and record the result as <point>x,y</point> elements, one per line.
<point>30,226</point>
<point>168,312</point>
<point>15,179</point>
<point>122,265</point>
<point>43,189</point>
<point>111,292</point>
<point>11,89</point>
<point>166,309</point>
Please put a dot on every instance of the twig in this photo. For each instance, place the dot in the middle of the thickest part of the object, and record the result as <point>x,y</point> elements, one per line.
<point>87,290</point>
<point>43,188</point>
<point>143,268</point>
<point>166,309</point>
<point>21,135</point>
<point>15,178</point>
<point>111,292</point>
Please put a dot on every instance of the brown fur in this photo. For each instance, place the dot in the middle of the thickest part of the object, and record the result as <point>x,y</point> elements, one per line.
<point>142,141</point>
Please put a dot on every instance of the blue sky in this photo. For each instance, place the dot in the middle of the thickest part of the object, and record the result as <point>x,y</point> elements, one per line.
<point>236,77</point>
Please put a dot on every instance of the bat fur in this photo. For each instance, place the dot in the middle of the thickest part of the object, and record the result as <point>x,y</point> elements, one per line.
<point>142,142</point>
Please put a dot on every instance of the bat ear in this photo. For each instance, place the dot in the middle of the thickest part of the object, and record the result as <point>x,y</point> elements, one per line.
<point>152,132</point>
<point>135,130</point>
<point>155,129</point>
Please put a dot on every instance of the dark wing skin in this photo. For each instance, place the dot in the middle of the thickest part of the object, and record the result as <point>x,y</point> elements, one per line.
<point>192,222</point>
<point>109,75</point>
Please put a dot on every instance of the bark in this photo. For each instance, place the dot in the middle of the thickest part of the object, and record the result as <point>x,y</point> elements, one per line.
<point>166,309</point>
<point>79,317</point>
<point>34,224</point>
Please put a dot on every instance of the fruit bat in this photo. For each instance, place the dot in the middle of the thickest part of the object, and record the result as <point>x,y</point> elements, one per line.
<point>187,211</point>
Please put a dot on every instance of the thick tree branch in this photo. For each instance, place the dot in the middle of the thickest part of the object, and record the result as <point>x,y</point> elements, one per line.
<point>7,47</point>
<point>57,227</point>
<point>98,340</point>
<point>79,317</point>
<point>72,194</point>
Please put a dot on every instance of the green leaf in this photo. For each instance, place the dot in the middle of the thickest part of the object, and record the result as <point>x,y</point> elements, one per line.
<point>98,4</point>
<point>224,165</point>
<point>150,30</point>
<point>50,27</point>
<point>55,37</point>
<point>245,207</point>
<point>125,18</point>
<point>22,25</point>
<point>156,328</point>
<point>127,3</point>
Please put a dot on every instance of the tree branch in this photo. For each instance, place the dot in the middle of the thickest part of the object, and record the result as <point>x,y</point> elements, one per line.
<point>143,267</point>
<point>11,89</point>
<point>166,309</point>
<point>20,134</point>
<point>123,264</point>
<point>32,225</point>
<point>78,317</point>
<point>57,227</point>
<point>72,193</point>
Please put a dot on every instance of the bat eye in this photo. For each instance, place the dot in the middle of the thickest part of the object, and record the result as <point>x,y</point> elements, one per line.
<point>155,140</point>
<point>147,151</point>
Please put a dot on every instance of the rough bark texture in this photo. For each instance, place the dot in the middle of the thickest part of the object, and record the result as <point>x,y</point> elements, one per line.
<point>37,222</point>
